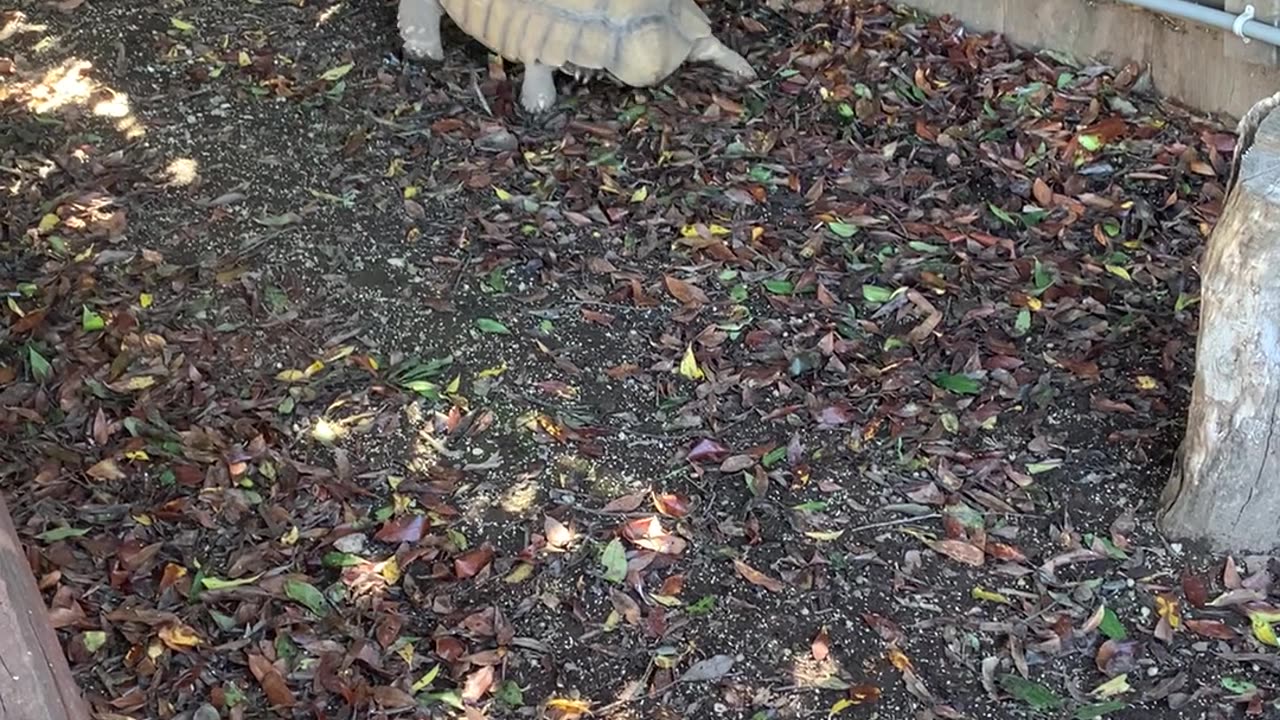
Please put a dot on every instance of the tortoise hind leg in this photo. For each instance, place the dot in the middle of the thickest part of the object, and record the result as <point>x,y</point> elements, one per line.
<point>711,50</point>
<point>538,91</point>
<point>420,28</point>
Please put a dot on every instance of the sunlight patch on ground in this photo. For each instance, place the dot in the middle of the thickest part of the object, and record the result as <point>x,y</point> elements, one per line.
<point>69,85</point>
<point>183,171</point>
<point>327,14</point>
<point>16,23</point>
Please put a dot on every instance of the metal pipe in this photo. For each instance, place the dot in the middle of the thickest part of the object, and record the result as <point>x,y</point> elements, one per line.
<point>1241,25</point>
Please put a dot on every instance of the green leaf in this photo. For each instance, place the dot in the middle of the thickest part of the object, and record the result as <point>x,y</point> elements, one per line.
<point>1111,625</point>
<point>1238,687</point>
<point>614,561</point>
<point>340,559</point>
<point>962,384</point>
<point>61,533</point>
<point>1097,710</point>
<point>1092,143</point>
<point>704,606</point>
<point>425,681</point>
<point>337,73</point>
<point>490,325</point>
<point>510,694</point>
<point>773,456</point>
<point>876,294</point>
<point>1032,693</point>
<point>1022,325</point>
<point>844,230</point>
<point>1000,213</point>
<point>40,368</point>
<point>779,287</point>
<point>213,583</point>
<point>307,594</point>
<point>94,640</point>
<point>448,697</point>
<point>90,320</point>
<point>1041,276</point>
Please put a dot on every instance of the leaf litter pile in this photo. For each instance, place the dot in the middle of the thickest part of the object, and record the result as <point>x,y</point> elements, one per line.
<point>333,386</point>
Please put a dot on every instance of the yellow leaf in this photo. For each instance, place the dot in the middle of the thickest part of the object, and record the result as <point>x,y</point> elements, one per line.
<point>390,570</point>
<point>1034,304</point>
<point>900,659</point>
<point>1115,686</point>
<point>179,636</point>
<point>568,705</point>
<point>291,376</point>
<point>406,653</point>
<point>85,254</point>
<point>49,222</point>
<point>689,365</point>
<point>1167,608</point>
<point>411,192</point>
<point>757,232</point>
<point>313,368</point>
<point>503,195</point>
<point>395,167</point>
<point>640,195</point>
<point>454,385</point>
<point>719,230</point>
<point>1263,630</point>
<point>1118,271</point>
<point>290,538</point>
<point>139,455</point>
<point>981,593</point>
<point>519,574</point>
<point>824,535</point>
<point>243,59</point>
<point>140,382</point>
<point>1146,382</point>
<point>143,519</point>
<point>337,73</point>
<point>145,300</point>
<point>181,24</point>
<point>494,371</point>
<point>841,705</point>
<point>666,600</point>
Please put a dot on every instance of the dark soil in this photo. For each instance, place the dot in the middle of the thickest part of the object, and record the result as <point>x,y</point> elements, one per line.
<point>358,334</point>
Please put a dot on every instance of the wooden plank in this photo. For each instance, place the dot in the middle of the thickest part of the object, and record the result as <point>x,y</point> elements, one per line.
<point>35,680</point>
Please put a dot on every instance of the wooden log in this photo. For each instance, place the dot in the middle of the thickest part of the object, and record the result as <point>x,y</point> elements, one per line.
<point>1225,483</point>
<point>35,680</point>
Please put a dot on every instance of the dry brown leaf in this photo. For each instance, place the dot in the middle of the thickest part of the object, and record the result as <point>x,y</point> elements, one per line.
<point>756,577</point>
<point>272,682</point>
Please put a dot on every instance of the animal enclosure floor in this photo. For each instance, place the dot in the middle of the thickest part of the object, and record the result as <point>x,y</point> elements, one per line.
<point>334,386</point>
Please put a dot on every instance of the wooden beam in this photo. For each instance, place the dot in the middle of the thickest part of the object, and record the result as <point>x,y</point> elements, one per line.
<point>1225,485</point>
<point>35,679</point>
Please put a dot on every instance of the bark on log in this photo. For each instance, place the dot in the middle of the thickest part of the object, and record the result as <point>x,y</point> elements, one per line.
<point>35,680</point>
<point>1225,484</point>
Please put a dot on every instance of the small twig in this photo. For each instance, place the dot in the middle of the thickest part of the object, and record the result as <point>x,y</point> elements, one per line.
<point>891,523</point>
<point>475,85</point>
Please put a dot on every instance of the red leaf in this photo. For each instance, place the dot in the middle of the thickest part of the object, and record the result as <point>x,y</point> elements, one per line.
<point>558,536</point>
<point>406,528</point>
<point>625,504</point>
<point>672,586</point>
<point>477,684</point>
<point>960,551</point>
<point>671,505</point>
<point>707,450</point>
<point>821,646</point>
<point>449,648</point>
<point>1193,588</point>
<point>470,564</point>
<point>1211,629</point>
<point>272,682</point>
<point>686,293</point>
<point>648,533</point>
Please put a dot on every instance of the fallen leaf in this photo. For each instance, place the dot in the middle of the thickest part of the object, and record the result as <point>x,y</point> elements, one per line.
<point>756,577</point>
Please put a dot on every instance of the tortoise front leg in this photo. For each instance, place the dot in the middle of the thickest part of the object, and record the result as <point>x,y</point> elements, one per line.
<point>538,91</point>
<point>420,28</point>
<point>711,50</point>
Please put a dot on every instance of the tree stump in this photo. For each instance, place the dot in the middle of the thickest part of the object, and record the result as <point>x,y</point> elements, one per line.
<point>1225,483</point>
<point>35,680</point>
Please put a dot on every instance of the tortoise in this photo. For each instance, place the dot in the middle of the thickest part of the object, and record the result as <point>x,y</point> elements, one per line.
<point>638,42</point>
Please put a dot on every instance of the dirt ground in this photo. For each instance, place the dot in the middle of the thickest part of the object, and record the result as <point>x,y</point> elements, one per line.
<point>333,385</point>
